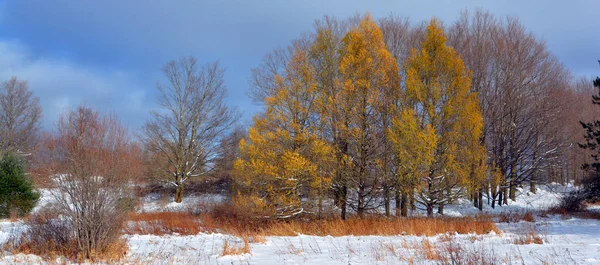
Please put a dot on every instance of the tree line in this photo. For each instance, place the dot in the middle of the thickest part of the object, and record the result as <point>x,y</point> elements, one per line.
<point>359,114</point>
<point>371,113</point>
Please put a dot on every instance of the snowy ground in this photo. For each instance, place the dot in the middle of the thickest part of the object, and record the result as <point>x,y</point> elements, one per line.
<point>565,241</point>
<point>155,202</point>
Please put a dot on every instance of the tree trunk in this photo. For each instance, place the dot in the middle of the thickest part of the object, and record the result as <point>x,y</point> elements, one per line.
<point>487,192</point>
<point>398,204</point>
<point>404,207</point>
<point>532,187</point>
<point>413,206</point>
<point>320,213</point>
<point>360,208</point>
<point>475,198</point>
<point>441,209</point>
<point>429,210</point>
<point>512,184</point>
<point>480,199</point>
<point>387,199</point>
<point>505,197</point>
<point>179,193</point>
<point>513,190</point>
<point>449,193</point>
<point>501,190</point>
<point>343,202</point>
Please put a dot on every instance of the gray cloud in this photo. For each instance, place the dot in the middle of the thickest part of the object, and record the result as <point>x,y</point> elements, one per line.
<point>61,84</point>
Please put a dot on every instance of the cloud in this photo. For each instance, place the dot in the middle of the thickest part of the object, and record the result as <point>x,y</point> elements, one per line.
<point>62,84</point>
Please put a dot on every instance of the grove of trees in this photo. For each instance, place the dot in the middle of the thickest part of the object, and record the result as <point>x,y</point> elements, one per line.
<point>369,113</point>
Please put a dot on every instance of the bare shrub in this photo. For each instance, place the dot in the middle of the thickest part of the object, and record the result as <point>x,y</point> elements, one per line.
<point>528,217</point>
<point>46,235</point>
<point>92,160</point>
<point>515,217</point>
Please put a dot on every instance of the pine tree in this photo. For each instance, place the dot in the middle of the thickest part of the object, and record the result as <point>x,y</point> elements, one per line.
<point>17,194</point>
<point>442,114</point>
<point>592,142</point>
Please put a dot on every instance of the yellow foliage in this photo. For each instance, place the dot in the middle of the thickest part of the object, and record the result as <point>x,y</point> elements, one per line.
<point>283,159</point>
<point>437,133</point>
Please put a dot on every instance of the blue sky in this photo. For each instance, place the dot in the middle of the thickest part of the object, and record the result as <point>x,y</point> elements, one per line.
<point>108,54</point>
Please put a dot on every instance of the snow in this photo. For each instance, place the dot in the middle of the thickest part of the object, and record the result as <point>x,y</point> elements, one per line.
<point>544,198</point>
<point>154,202</point>
<point>565,241</point>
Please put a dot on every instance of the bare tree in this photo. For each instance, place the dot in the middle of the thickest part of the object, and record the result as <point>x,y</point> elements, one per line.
<point>228,152</point>
<point>91,159</point>
<point>184,135</point>
<point>20,115</point>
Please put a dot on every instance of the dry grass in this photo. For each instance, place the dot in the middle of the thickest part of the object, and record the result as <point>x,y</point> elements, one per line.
<point>452,253</point>
<point>234,223</point>
<point>515,217</point>
<point>160,223</point>
<point>429,251</point>
<point>526,235</point>
<point>382,226</point>
<point>558,211</point>
<point>228,249</point>
<point>528,217</point>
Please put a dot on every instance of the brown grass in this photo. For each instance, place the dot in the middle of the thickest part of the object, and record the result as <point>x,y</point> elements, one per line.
<point>528,235</point>
<point>160,223</point>
<point>515,217</point>
<point>381,226</point>
<point>430,251</point>
<point>240,225</point>
<point>452,253</point>
<point>528,217</point>
<point>558,211</point>
<point>231,250</point>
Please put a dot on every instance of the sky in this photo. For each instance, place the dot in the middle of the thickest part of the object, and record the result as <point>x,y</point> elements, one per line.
<point>108,54</point>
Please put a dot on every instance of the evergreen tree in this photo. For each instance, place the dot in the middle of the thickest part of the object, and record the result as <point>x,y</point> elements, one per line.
<point>17,194</point>
<point>592,142</point>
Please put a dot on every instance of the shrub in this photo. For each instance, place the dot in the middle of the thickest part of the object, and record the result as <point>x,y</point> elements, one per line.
<point>17,194</point>
<point>95,159</point>
<point>49,235</point>
<point>528,217</point>
<point>588,193</point>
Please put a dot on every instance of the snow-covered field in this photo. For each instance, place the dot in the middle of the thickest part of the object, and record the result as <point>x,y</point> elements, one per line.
<point>565,241</point>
